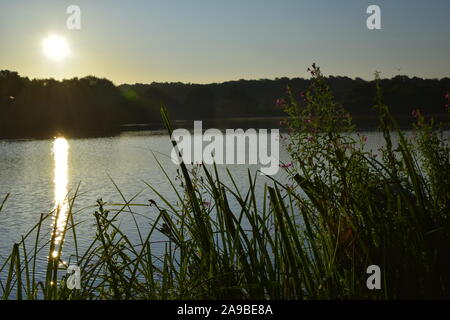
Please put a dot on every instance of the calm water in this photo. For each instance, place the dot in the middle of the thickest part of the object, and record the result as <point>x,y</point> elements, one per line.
<point>39,174</point>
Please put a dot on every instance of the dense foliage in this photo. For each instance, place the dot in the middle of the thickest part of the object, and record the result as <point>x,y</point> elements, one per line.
<point>91,106</point>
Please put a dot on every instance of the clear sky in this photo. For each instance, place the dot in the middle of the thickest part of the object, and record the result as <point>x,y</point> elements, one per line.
<point>204,41</point>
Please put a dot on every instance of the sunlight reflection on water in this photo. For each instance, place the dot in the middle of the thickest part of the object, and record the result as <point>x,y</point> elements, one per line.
<point>61,180</point>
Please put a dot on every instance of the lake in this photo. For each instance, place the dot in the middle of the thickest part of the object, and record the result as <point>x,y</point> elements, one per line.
<point>38,175</point>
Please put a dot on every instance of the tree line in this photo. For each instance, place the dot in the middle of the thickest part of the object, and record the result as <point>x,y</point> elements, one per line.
<point>92,106</point>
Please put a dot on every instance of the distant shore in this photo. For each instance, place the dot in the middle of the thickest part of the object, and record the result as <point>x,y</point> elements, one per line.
<point>362,123</point>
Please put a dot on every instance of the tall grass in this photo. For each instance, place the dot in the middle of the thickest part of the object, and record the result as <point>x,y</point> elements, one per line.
<point>343,210</point>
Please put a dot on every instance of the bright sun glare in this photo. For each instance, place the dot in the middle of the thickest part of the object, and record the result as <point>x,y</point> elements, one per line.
<point>55,47</point>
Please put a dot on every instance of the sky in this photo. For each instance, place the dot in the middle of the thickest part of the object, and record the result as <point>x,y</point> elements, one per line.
<point>204,41</point>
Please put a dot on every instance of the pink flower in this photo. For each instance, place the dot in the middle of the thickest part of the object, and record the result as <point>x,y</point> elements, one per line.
<point>415,113</point>
<point>302,94</point>
<point>447,96</point>
<point>364,138</point>
<point>280,102</point>
<point>287,165</point>
<point>307,120</point>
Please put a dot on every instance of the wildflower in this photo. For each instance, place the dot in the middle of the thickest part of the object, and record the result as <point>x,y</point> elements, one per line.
<point>415,113</point>
<point>447,96</point>
<point>307,120</point>
<point>364,138</point>
<point>280,102</point>
<point>287,165</point>
<point>302,94</point>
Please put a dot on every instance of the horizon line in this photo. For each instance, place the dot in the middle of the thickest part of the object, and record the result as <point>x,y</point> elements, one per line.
<point>222,82</point>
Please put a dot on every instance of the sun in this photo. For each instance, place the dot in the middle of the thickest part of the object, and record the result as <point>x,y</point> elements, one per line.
<point>55,47</point>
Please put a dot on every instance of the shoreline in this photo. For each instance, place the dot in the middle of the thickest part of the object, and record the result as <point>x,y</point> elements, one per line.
<point>362,124</point>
